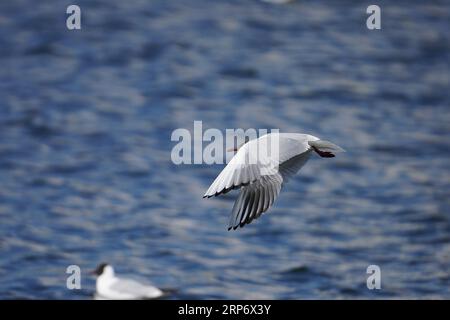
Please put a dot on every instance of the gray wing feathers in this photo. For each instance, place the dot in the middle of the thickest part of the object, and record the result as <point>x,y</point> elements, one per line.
<point>254,199</point>
<point>290,167</point>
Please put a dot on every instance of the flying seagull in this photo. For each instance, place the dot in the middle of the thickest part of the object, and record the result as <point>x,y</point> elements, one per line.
<point>259,169</point>
<point>110,287</point>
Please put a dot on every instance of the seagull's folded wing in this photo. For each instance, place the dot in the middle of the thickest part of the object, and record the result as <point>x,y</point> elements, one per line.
<point>135,289</point>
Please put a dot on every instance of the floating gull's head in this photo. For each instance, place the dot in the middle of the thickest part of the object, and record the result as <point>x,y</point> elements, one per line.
<point>103,268</point>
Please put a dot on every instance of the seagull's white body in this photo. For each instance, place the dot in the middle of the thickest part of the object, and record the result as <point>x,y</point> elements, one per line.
<point>110,287</point>
<point>260,173</point>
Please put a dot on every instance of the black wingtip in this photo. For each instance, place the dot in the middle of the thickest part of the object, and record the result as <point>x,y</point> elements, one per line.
<point>226,190</point>
<point>233,227</point>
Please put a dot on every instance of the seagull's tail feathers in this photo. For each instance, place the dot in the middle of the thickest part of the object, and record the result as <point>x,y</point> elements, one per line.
<point>165,293</point>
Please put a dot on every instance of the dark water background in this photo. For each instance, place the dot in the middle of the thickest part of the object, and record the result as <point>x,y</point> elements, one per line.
<point>85,124</point>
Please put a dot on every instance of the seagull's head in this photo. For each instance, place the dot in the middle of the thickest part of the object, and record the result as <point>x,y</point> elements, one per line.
<point>324,148</point>
<point>104,269</point>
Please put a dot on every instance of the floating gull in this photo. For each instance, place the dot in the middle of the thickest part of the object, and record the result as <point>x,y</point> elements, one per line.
<point>110,287</point>
<point>260,174</point>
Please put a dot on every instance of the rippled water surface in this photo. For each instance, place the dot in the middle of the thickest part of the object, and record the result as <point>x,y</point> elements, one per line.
<point>86,118</point>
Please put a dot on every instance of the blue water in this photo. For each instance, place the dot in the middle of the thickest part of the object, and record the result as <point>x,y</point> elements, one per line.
<point>85,124</point>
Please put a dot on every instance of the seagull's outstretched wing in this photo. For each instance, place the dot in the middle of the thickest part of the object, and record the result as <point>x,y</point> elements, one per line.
<point>258,196</point>
<point>253,160</point>
<point>245,168</point>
